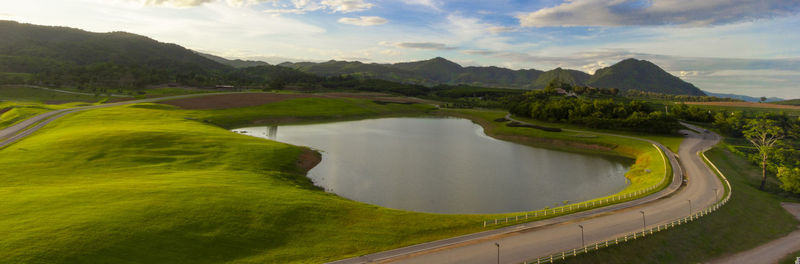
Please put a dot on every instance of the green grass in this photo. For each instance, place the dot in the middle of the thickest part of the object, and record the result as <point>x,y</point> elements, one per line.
<point>305,110</point>
<point>155,184</point>
<point>150,186</point>
<point>29,94</point>
<point>750,218</point>
<point>19,111</point>
<point>750,111</point>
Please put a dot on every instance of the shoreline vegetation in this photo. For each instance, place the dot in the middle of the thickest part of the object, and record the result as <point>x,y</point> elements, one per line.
<point>161,184</point>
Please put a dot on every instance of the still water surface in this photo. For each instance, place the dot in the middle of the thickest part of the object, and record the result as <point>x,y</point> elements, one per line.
<point>445,165</point>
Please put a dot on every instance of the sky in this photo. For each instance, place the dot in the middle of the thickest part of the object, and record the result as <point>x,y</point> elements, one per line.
<point>734,46</point>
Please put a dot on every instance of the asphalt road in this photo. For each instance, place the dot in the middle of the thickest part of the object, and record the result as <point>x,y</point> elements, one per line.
<point>537,239</point>
<point>27,127</point>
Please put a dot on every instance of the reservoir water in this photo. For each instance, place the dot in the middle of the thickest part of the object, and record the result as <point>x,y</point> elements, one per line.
<point>445,165</point>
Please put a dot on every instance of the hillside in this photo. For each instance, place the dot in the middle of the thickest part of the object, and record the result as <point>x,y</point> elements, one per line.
<point>237,63</point>
<point>61,55</point>
<point>633,74</point>
<point>630,74</point>
<point>742,97</point>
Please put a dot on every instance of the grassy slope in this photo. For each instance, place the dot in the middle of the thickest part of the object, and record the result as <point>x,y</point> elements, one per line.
<point>750,218</point>
<point>156,187</point>
<point>19,111</point>
<point>790,259</point>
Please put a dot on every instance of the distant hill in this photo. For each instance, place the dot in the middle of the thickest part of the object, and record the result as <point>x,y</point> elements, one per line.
<point>427,72</point>
<point>788,102</point>
<point>237,63</point>
<point>630,74</point>
<point>742,97</point>
<point>633,74</point>
<point>61,55</point>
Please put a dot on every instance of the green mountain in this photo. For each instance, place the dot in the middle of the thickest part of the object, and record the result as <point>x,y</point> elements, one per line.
<point>61,55</point>
<point>571,77</point>
<point>743,97</point>
<point>630,74</point>
<point>633,74</point>
<point>237,63</point>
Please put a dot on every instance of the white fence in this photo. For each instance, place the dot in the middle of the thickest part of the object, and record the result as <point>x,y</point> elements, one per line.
<point>643,233</point>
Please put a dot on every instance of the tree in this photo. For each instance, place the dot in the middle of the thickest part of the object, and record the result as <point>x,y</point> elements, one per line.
<point>765,136</point>
<point>790,179</point>
<point>762,99</point>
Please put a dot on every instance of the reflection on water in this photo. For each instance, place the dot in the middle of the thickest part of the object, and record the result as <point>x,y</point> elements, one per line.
<point>445,165</point>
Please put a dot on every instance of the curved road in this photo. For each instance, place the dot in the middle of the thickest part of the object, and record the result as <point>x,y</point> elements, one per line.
<point>27,127</point>
<point>537,239</point>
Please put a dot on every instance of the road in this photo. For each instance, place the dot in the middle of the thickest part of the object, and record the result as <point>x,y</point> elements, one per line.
<point>537,239</point>
<point>27,127</point>
<point>772,251</point>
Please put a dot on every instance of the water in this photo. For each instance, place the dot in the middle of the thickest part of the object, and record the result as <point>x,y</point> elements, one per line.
<point>445,165</point>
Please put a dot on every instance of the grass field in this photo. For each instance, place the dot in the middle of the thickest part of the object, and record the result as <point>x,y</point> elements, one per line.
<point>791,258</point>
<point>750,218</point>
<point>15,112</point>
<point>157,184</point>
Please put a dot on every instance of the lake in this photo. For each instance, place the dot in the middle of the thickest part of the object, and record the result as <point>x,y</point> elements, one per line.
<point>445,165</point>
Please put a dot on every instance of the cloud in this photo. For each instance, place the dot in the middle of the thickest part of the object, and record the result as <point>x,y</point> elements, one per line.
<point>499,29</point>
<point>433,5</point>
<point>333,6</point>
<point>479,52</point>
<point>689,13</point>
<point>363,20</point>
<point>175,3</point>
<point>424,45</point>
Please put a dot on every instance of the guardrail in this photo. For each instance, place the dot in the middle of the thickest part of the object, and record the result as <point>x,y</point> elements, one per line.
<point>587,205</point>
<point>640,234</point>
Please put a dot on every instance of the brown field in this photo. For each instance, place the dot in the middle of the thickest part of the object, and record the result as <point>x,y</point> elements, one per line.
<point>222,101</point>
<point>747,104</point>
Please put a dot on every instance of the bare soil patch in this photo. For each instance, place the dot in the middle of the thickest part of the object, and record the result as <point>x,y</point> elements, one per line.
<point>222,101</point>
<point>747,104</point>
<point>308,159</point>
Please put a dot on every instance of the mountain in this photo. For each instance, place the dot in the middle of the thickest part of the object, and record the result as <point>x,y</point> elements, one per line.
<point>61,55</point>
<point>427,72</point>
<point>630,74</point>
<point>237,63</point>
<point>633,74</point>
<point>572,77</point>
<point>742,97</point>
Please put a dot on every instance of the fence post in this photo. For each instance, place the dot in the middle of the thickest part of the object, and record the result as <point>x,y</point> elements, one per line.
<point>484,223</point>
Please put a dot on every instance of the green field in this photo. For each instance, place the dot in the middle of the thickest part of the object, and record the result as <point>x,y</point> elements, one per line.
<point>750,218</point>
<point>159,184</point>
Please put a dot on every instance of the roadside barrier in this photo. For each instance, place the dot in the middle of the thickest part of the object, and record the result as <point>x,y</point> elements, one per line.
<point>587,205</point>
<point>646,232</point>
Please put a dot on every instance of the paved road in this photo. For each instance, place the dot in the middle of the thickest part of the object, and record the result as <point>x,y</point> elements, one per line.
<point>771,252</point>
<point>27,127</point>
<point>531,240</point>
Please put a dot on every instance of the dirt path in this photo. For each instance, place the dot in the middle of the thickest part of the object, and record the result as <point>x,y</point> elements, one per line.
<point>773,251</point>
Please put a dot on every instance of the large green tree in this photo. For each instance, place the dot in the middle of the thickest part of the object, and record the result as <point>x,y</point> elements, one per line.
<point>765,135</point>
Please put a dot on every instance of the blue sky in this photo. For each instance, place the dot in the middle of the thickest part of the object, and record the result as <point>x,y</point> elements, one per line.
<point>735,46</point>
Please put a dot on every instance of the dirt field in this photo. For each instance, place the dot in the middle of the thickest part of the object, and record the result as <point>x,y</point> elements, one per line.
<point>747,104</point>
<point>223,101</point>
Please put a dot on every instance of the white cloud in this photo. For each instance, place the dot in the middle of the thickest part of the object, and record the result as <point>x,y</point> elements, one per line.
<point>333,6</point>
<point>175,3</point>
<point>424,46</point>
<point>363,20</point>
<point>346,6</point>
<point>499,29</point>
<point>433,5</point>
<point>689,13</point>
